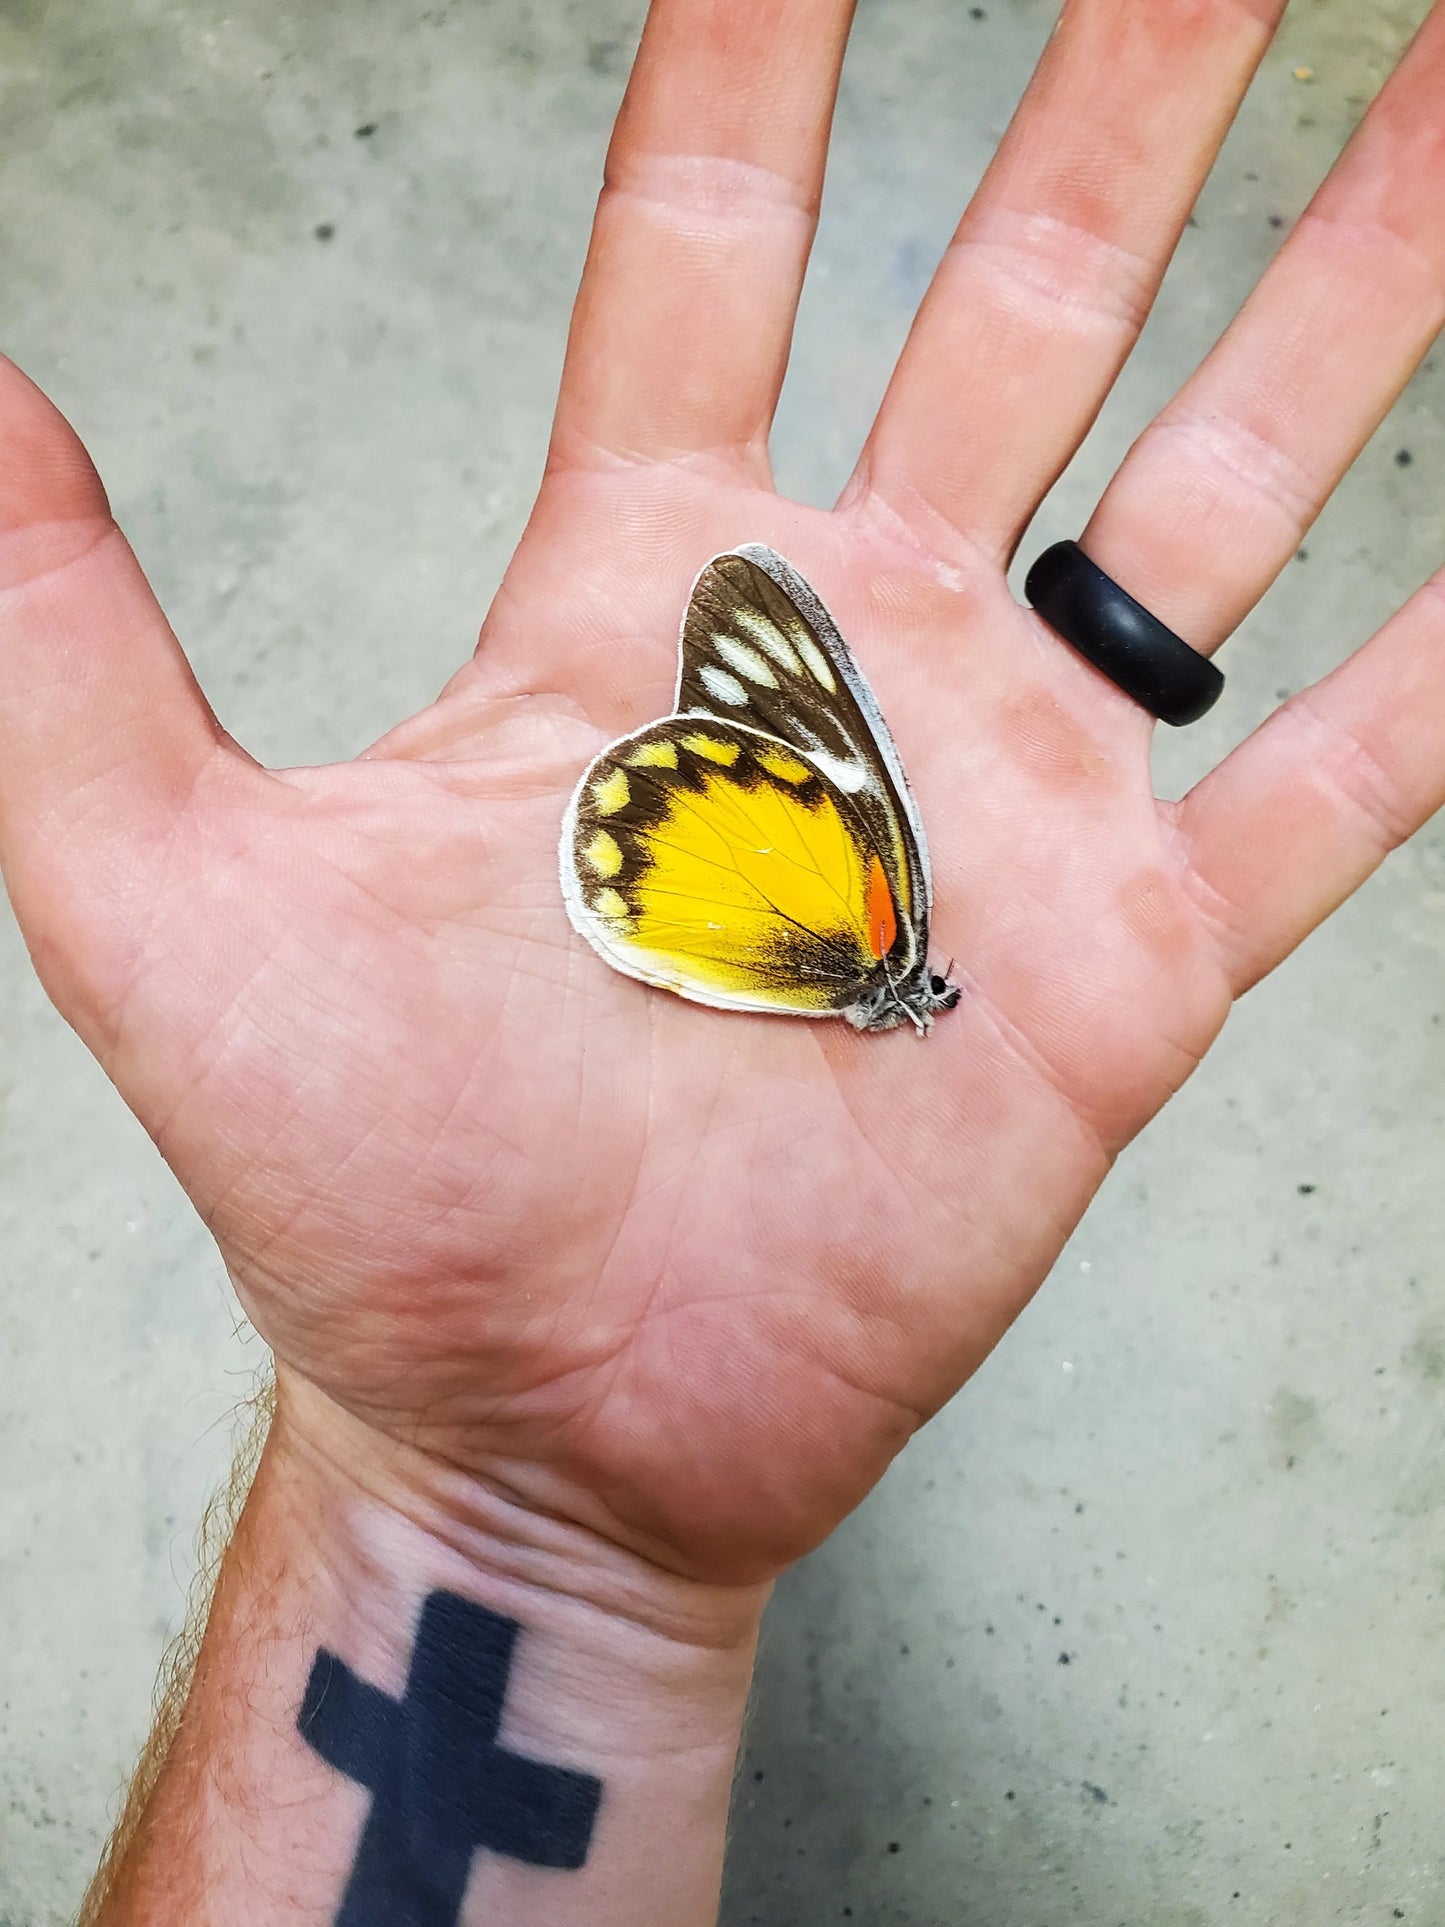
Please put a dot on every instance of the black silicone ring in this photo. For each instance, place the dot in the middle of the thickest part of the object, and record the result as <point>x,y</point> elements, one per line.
<point>1118,635</point>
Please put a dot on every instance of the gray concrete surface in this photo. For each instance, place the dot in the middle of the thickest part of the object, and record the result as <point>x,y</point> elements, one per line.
<point>1208,1468</point>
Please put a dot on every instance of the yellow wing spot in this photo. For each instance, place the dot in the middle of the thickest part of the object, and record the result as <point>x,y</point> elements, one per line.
<point>786,768</point>
<point>711,750</point>
<point>661,755</point>
<point>817,662</point>
<point>742,657</point>
<point>603,854</point>
<point>768,637</point>
<point>612,794</point>
<point>612,905</point>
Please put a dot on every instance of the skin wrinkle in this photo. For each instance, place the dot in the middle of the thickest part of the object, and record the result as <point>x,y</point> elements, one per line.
<point>105,531</point>
<point>245,1015</point>
<point>700,1138</point>
<point>869,1142</point>
<point>646,1138</point>
<point>905,514</point>
<point>151,956</point>
<point>1032,1058</point>
<point>515,1526</point>
<point>894,1322</point>
<point>694,183</point>
<point>1221,916</point>
<point>1125,284</point>
<point>305,1206</point>
<point>745,459</point>
<point>218,1210</point>
<point>1279,483</point>
<point>1387,816</point>
<point>175,813</point>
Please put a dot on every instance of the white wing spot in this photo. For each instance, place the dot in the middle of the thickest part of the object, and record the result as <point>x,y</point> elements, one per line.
<point>769,639</point>
<point>850,777</point>
<point>818,664</point>
<point>746,660</point>
<point>722,687</point>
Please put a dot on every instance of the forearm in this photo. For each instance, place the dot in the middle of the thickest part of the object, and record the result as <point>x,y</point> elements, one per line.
<point>420,1704</point>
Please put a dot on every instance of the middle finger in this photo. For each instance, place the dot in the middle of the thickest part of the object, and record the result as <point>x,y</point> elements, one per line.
<point>1056,261</point>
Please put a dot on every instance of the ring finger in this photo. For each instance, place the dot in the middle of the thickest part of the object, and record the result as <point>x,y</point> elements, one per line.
<point>1212,500</point>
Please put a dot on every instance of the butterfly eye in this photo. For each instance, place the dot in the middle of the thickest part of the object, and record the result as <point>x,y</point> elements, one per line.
<point>938,985</point>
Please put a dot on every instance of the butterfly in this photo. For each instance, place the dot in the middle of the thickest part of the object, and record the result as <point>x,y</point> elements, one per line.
<point>759,849</point>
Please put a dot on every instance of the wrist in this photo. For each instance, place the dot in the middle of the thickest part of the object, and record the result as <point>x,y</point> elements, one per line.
<point>553,1708</point>
<point>382,1525</point>
<point>419,1698</point>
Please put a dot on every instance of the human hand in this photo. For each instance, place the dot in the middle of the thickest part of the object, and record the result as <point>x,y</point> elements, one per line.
<point>684,1279</point>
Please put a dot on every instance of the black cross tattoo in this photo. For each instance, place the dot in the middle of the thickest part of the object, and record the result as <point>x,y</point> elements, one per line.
<point>442,1788</point>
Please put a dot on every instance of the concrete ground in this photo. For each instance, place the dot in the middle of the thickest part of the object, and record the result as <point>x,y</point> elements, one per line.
<point>1147,1629</point>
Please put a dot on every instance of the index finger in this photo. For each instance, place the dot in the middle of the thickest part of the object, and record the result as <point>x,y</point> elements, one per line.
<point>681,331</point>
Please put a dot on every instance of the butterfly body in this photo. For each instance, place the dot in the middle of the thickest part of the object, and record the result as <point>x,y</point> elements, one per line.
<point>759,848</point>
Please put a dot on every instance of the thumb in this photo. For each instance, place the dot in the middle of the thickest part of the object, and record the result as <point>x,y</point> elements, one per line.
<point>105,736</point>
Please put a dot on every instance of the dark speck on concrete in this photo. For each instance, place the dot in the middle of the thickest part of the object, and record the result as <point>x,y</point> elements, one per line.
<point>977,13</point>
<point>366,130</point>
<point>1306,1190</point>
<point>1096,1793</point>
<point>1403,458</point>
<point>1064,1659</point>
<point>895,1846</point>
<point>1276,220</point>
<point>758,1776</point>
<point>1301,555</point>
<point>1010,1794</point>
<point>324,231</point>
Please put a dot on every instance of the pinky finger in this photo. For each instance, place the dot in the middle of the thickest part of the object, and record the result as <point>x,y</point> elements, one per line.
<point>1296,818</point>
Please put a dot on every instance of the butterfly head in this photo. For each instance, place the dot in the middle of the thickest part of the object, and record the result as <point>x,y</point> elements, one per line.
<point>890,1001</point>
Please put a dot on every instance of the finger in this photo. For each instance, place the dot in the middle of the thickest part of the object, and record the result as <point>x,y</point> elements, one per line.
<point>1298,816</point>
<point>681,330</point>
<point>1056,262</point>
<point>103,731</point>
<point>1213,499</point>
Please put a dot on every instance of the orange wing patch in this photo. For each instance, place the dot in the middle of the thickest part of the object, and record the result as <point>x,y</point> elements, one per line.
<point>882,923</point>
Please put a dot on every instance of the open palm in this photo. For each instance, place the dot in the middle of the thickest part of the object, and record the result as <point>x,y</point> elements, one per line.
<point>689,1276</point>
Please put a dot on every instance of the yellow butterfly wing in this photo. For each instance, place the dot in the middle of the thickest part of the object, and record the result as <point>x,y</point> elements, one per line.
<point>710,859</point>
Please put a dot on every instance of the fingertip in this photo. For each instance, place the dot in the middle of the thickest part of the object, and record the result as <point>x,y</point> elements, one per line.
<point>45,473</point>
